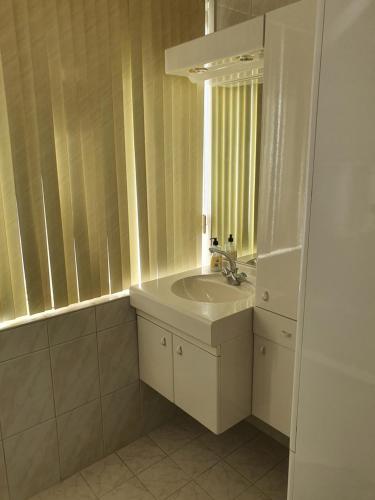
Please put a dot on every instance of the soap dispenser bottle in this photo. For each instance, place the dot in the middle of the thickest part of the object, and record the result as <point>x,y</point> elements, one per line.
<point>216,258</point>
<point>231,247</point>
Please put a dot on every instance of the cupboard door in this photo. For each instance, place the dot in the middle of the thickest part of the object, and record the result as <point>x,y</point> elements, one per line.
<point>155,357</point>
<point>273,383</point>
<point>196,382</point>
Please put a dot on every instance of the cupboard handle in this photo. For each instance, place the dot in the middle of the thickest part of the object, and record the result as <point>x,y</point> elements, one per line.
<point>266,296</point>
<point>262,349</point>
<point>285,333</point>
<point>179,350</point>
<point>163,341</point>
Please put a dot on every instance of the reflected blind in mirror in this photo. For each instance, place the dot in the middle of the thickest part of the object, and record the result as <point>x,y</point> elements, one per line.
<point>236,117</point>
<point>100,152</point>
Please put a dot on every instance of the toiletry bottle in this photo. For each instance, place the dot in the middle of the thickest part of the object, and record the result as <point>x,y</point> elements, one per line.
<point>231,247</point>
<point>216,258</point>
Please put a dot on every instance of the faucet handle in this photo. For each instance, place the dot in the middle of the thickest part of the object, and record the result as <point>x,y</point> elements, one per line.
<point>242,277</point>
<point>225,271</point>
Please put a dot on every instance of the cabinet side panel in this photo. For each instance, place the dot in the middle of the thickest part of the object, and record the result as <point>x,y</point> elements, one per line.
<point>236,380</point>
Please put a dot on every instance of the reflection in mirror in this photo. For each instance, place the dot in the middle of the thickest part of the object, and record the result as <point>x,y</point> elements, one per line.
<point>236,125</point>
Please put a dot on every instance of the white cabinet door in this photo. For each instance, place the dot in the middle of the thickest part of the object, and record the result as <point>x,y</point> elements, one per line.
<point>196,382</point>
<point>273,383</point>
<point>155,357</point>
<point>277,284</point>
<point>287,91</point>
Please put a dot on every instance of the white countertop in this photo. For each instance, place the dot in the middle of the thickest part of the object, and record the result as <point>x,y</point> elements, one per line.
<point>211,323</point>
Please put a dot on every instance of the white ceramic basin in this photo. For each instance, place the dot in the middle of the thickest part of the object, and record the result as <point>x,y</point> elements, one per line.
<point>198,304</point>
<point>209,288</point>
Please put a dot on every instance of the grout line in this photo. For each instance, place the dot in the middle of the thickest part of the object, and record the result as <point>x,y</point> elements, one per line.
<point>23,355</point>
<point>69,341</point>
<point>48,420</point>
<point>88,484</point>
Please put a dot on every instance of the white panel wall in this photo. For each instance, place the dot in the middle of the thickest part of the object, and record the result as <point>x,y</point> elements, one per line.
<point>335,440</point>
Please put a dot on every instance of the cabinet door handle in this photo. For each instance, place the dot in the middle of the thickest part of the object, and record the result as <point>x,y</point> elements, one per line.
<point>286,334</point>
<point>262,349</point>
<point>266,296</point>
<point>179,350</point>
<point>163,341</point>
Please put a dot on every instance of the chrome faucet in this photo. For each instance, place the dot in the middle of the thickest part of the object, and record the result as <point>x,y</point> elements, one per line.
<point>233,276</point>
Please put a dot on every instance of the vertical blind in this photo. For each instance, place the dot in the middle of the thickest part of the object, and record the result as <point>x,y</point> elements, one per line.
<point>100,152</point>
<point>236,125</point>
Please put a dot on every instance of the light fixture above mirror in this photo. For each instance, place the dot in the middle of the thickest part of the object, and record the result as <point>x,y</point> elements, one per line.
<point>226,57</point>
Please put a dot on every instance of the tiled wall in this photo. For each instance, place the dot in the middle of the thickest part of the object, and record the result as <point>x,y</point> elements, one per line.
<point>230,12</point>
<point>70,394</point>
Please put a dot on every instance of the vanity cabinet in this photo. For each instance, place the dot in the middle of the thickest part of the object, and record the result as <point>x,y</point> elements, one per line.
<point>212,384</point>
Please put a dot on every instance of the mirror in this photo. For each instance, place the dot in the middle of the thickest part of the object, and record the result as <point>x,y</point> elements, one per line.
<point>235,155</point>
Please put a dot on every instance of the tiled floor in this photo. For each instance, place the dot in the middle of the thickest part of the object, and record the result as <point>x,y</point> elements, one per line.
<point>183,461</point>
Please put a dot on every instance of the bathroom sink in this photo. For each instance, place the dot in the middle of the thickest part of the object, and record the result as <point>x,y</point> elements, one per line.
<point>197,303</point>
<point>209,288</point>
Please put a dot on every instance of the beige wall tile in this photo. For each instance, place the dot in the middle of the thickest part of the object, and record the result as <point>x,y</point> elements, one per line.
<point>32,460</point>
<point>121,417</point>
<point>80,438</point>
<point>75,373</point>
<point>70,326</point>
<point>225,17</point>
<point>114,313</point>
<point>3,478</point>
<point>262,6</point>
<point>240,5</point>
<point>25,392</point>
<point>118,357</point>
<point>23,340</point>
<point>156,409</point>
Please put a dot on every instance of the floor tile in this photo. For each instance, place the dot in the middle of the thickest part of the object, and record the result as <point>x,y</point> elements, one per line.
<point>275,483</point>
<point>225,443</point>
<point>130,490</point>
<point>106,475</point>
<point>253,460</point>
<point>192,491</point>
<point>222,482</point>
<point>189,423</point>
<point>141,454</point>
<point>266,443</point>
<point>73,488</point>
<point>175,434</point>
<point>194,458</point>
<point>164,478</point>
<point>253,493</point>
